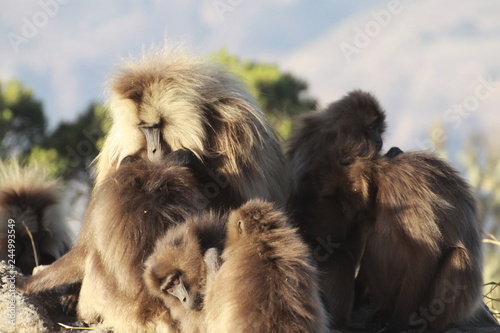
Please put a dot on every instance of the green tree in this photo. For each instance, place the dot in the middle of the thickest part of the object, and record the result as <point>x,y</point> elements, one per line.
<point>22,120</point>
<point>49,159</point>
<point>80,141</point>
<point>281,95</point>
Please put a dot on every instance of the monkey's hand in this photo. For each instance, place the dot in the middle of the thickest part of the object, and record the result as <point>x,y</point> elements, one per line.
<point>69,303</point>
<point>21,283</point>
<point>39,268</point>
<point>212,262</point>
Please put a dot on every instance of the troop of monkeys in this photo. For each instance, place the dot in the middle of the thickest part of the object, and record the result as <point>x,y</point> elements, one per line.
<point>198,223</point>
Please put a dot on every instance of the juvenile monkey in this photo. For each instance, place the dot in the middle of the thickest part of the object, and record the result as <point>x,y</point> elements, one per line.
<point>267,282</point>
<point>182,261</point>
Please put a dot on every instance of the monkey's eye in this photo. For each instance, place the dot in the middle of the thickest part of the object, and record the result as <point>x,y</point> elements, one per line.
<point>174,281</point>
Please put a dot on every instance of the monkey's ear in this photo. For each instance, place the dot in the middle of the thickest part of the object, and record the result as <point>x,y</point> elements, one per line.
<point>240,227</point>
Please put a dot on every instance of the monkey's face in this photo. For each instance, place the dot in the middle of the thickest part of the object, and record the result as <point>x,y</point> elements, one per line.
<point>27,249</point>
<point>175,285</point>
<point>360,136</point>
<point>31,239</point>
<point>151,109</point>
<point>176,272</point>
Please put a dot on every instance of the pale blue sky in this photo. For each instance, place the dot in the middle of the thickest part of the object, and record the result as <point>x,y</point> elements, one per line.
<point>421,60</point>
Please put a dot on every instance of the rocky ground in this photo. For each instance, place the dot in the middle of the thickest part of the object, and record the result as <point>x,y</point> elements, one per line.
<point>43,313</point>
<point>32,314</point>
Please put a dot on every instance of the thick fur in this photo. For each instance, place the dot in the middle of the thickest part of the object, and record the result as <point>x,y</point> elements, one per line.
<point>267,282</point>
<point>201,107</point>
<point>351,126</point>
<point>30,195</point>
<point>182,251</point>
<point>128,212</point>
<point>323,140</point>
<point>423,259</point>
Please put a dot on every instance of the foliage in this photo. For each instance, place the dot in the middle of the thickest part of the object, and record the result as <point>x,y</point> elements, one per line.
<point>281,95</point>
<point>22,120</point>
<point>48,159</point>
<point>79,141</point>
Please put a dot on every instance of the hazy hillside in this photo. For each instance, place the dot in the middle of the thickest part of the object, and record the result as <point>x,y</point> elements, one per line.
<point>423,59</point>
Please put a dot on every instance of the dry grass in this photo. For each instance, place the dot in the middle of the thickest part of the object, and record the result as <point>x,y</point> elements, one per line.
<point>492,274</point>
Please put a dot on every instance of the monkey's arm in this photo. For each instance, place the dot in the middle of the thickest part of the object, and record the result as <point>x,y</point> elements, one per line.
<point>412,289</point>
<point>66,270</point>
<point>211,259</point>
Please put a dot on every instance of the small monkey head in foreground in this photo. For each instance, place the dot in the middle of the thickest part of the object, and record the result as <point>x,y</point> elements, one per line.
<point>178,274</point>
<point>177,269</point>
<point>254,219</point>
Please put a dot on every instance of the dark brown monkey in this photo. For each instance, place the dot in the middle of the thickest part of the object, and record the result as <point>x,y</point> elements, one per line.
<point>29,200</point>
<point>169,100</point>
<point>325,140</point>
<point>181,262</point>
<point>267,282</point>
<point>351,126</point>
<point>128,212</point>
<point>423,259</point>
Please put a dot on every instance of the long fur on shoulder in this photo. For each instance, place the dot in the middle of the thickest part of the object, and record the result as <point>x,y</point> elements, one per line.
<point>201,107</point>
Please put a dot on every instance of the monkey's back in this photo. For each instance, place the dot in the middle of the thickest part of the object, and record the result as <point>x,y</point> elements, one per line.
<point>418,186</point>
<point>427,236</point>
<point>266,284</point>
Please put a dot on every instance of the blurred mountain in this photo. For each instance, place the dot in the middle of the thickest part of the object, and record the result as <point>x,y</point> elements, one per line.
<point>427,61</point>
